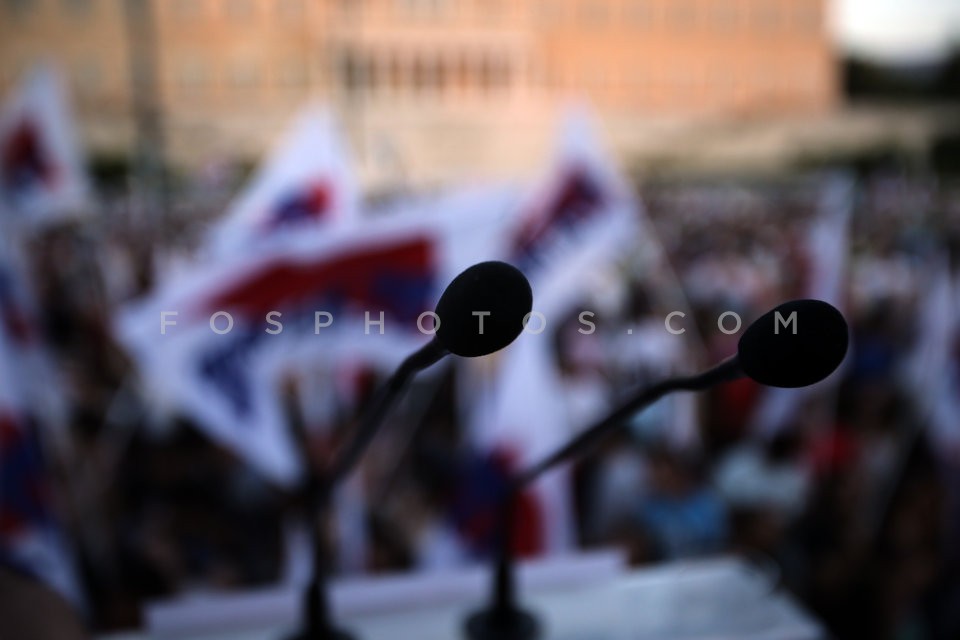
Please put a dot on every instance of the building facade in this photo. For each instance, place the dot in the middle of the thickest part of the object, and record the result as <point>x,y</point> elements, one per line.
<point>428,89</point>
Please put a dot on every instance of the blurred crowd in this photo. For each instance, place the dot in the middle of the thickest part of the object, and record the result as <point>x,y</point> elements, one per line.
<point>849,498</point>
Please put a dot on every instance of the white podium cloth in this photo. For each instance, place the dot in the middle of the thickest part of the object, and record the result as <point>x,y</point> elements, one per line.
<point>583,597</point>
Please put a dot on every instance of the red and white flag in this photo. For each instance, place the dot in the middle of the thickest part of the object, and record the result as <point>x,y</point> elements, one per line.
<point>827,249</point>
<point>580,217</point>
<point>581,214</point>
<point>31,538</point>
<point>306,184</point>
<point>931,370</point>
<point>215,346</point>
<point>42,178</point>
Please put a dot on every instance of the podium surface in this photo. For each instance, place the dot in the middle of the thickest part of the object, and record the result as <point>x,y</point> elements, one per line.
<point>584,597</point>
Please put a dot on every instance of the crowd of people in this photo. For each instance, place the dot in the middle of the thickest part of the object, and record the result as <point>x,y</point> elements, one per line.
<point>849,496</point>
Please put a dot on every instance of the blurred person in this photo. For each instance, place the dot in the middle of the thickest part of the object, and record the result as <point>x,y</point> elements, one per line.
<point>579,354</point>
<point>765,486</point>
<point>680,515</point>
<point>434,542</point>
<point>728,407</point>
<point>426,505</point>
<point>765,475</point>
<point>30,611</point>
<point>611,483</point>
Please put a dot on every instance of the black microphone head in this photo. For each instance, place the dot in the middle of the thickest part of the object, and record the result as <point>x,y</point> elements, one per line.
<point>794,345</point>
<point>495,289</point>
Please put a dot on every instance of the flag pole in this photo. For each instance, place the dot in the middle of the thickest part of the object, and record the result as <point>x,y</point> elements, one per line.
<point>316,492</point>
<point>149,162</point>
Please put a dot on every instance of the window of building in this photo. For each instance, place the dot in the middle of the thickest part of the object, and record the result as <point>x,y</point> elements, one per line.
<point>88,76</point>
<point>598,78</point>
<point>594,12</point>
<point>725,14</point>
<point>441,75</point>
<point>766,78</point>
<point>549,11</point>
<point>350,6</point>
<point>502,72</point>
<point>808,16</point>
<point>349,72</point>
<point>188,9</point>
<point>423,8</point>
<point>19,8</point>
<point>292,74</point>
<point>428,74</point>
<point>290,9</point>
<point>638,12</point>
<point>494,11</point>
<point>419,74</point>
<point>15,70</point>
<point>681,14</point>
<point>77,8</point>
<point>721,80</point>
<point>238,9</point>
<point>371,74</point>
<point>766,14</point>
<point>486,72</point>
<point>243,75</point>
<point>395,72</point>
<point>460,71</point>
<point>192,74</point>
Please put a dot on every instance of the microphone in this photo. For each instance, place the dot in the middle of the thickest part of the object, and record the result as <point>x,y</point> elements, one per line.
<point>796,344</point>
<point>502,296</point>
<point>483,309</point>
<point>774,350</point>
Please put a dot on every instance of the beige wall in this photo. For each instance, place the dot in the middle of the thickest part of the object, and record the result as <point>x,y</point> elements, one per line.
<point>88,43</point>
<point>438,88</point>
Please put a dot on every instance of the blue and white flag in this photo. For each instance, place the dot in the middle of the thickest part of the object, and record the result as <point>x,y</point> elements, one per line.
<point>31,538</point>
<point>307,184</point>
<point>580,217</point>
<point>827,247</point>
<point>42,178</point>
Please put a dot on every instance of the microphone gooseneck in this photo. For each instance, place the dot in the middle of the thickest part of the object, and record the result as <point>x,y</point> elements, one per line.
<point>377,410</point>
<point>483,309</point>
<point>808,349</point>
<point>727,370</point>
<point>494,289</point>
<point>795,344</point>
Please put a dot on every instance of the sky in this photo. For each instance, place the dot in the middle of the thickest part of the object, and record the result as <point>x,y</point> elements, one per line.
<point>897,29</point>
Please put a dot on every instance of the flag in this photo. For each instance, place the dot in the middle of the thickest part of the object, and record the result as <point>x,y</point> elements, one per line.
<point>578,218</point>
<point>470,221</point>
<point>242,323</point>
<point>827,247</point>
<point>527,421</point>
<point>581,214</point>
<point>41,168</point>
<point>828,239</point>
<point>306,184</point>
<point>931,369</point>
<point>31,538</point>
<point>397,262</point>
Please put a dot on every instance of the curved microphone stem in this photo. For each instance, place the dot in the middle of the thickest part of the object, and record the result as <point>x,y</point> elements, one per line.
<point>317,623</point>
<point>726,371</point>
<point>319,487</point>
<point>352,451</point>
<point>503,618</point>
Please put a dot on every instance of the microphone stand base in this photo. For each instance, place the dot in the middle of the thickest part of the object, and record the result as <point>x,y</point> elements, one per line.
<point>329,634</point>
<point>495,624</point>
